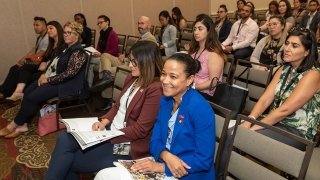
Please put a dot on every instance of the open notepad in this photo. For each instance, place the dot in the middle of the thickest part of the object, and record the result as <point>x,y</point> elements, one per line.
<point>127,174</point>
<point>81,129</point>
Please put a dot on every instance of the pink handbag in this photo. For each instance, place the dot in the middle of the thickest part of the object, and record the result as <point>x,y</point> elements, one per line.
<point>48,121</point>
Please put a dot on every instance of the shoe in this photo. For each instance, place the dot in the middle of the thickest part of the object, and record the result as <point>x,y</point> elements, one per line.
<point>5,131</point>
<point>14,134</point>
<point>107,106</point>
<point>1,96</point>
<point>15,97</point>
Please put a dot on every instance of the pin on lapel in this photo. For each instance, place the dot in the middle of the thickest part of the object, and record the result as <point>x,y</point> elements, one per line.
<point>181,117</point>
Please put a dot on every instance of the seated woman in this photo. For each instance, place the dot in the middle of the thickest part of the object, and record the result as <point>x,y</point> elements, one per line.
<point>272,11</point>
<point>134,113</point>
<point>27,75</point>
<point>286,12</point>
<point>168,34</point>
<point>268,49</point>
<point>295,108</point>
<point>183,138</point>
<point>206,49</point>
<point>223,25</point>
<point>178,19</point>
<point>86,35</point>
<point>65,76</point>
<point>298,10</point>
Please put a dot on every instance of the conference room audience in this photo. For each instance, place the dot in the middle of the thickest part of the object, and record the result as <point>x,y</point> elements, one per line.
<point>183,138</point>
<point>206,48</point>
<point>29,64</point>
<point>168,34</point>
<point>268,50</point>
<point>86,35</point>
<point>134,114</point>
<point>64,76</point>
<point>223,24</point>
<point>178,19</point>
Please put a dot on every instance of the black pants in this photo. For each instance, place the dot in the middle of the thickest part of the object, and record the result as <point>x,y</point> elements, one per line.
<point>33,97</point>
<point>23,74</point>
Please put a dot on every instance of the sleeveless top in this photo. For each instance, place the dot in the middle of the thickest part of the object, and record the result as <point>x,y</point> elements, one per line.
<point>307,118</point>
<point>203,74</point>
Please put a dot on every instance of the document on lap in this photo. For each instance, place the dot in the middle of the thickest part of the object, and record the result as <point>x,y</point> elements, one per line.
<point>81,129</point>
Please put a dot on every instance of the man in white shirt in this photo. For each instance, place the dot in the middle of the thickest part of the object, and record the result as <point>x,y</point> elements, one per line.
<point>312,19</point>
<point>243,36</point>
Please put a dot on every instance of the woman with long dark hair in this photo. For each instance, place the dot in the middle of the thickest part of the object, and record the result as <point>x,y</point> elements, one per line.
<point>206,48</point>
<point>168,34</point>
<point>134,114</point>
<point>178,19</point>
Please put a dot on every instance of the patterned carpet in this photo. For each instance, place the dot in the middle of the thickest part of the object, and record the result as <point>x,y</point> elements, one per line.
<point>27,156</point>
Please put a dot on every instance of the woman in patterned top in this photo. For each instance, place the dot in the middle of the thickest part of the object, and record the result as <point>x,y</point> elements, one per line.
<point>295,108</point>
<point>65,76</point>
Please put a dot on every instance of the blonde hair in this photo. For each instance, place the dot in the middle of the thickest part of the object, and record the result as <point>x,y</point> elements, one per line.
<point>76,27</point>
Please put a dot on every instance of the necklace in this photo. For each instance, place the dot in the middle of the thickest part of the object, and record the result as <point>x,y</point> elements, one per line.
<point>195,55</point>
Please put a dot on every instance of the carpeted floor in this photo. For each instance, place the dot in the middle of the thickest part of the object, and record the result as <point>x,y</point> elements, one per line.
<point>27,156</point>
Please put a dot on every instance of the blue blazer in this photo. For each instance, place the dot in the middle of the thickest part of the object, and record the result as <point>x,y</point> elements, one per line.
<point>193,138</point>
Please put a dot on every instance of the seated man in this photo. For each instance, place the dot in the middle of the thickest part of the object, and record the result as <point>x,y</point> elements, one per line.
<point>110,63</point>
<point>144,26</point>
<point>312,19</point>
<point>12,79</point>
<point>107,46</point>
<point>243,36</point>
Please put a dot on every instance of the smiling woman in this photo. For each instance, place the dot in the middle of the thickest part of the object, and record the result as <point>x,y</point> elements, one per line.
<point>183,138</point>
<point>294,108</point>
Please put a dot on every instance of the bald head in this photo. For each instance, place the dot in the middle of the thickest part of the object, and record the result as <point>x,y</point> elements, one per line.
<point>144,24</point>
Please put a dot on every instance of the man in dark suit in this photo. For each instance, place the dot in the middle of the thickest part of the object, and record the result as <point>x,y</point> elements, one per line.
<point>312,19</point>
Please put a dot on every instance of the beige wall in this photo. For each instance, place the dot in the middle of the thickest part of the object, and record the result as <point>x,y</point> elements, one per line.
<point>16,18</point>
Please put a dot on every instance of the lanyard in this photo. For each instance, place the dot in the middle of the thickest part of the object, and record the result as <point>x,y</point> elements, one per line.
<point>239,28</point>
<point>195,55</point>
<point>282,89</point>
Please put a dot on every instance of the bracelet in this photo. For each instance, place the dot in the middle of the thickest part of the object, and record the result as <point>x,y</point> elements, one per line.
<point>252,117</point>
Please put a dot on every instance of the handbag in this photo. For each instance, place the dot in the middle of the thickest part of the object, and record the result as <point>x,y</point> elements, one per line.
<point>232,97</point>
<point>48,120</point>
<point>34,59</point>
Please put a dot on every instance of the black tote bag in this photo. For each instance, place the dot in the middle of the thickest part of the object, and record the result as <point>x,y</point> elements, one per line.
<point>231,97</point>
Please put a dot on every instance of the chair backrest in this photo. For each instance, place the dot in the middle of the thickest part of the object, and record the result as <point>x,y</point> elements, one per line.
<point>222,119</point>
<point>120,77</point>
<point>131,40</point>
<point>152,29</point>
<point>121,43</point>
<point>186,36</point>
<point>258,148</point>
<point>89,57</point>
<point>189,24</point>
<point>227,70</point>
<point>93,37</point>
<point>314,166</point>
<point>157,32</point>
<point>254,79</point>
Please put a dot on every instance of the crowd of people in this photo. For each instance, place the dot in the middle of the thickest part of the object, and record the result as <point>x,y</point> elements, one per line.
<point>162,108</point>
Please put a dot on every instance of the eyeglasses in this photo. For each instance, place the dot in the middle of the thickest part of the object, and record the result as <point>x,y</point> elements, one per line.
<point>132,61</point>
<point>67,33</point>
<point>100,22</point>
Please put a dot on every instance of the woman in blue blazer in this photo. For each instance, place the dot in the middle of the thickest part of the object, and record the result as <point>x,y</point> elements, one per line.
<point>183,139</point>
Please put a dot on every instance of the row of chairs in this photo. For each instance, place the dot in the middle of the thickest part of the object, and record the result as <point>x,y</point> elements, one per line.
<point>252,155</point>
